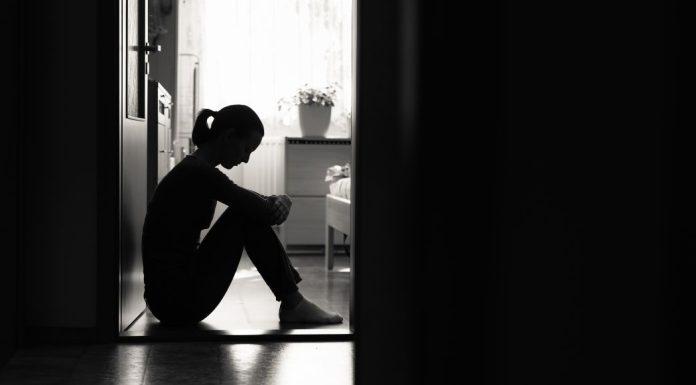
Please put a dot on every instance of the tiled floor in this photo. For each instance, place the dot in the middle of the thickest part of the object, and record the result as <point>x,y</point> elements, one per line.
<point>249,307</point>
<point>202,363</point>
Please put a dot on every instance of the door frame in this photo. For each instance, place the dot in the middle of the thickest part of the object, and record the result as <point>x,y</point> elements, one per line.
<point>111,63</point>
<point>111,72</point>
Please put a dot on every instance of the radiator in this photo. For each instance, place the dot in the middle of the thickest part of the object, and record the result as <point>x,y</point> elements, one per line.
<point>265,171</point>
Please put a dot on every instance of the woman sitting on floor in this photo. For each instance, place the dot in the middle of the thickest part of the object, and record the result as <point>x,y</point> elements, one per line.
<point>185,280</point>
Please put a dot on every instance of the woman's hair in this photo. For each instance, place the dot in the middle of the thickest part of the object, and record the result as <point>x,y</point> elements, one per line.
<point>239,118</point>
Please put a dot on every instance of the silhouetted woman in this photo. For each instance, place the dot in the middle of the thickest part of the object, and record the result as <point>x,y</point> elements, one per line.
<point>185,280</point>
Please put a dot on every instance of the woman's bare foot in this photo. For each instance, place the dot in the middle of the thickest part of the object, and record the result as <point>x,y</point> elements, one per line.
<point>307,312</point>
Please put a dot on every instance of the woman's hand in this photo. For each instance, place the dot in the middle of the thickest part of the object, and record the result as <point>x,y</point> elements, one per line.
<point>281,208</point>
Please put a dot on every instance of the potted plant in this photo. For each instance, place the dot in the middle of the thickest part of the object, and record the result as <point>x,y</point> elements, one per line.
<point>314,107</point>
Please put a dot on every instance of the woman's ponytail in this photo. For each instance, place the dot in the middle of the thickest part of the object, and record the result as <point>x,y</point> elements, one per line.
<point>201,131</point>
<point>239,118</point>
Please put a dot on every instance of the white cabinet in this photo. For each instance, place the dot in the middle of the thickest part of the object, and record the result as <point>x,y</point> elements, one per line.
<point>306,161</point>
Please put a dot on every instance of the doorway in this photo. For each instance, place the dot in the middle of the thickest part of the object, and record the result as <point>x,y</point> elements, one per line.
<point>171,50</point>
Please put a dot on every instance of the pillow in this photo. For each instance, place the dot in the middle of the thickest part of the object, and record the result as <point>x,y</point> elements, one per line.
<point>340,188</point>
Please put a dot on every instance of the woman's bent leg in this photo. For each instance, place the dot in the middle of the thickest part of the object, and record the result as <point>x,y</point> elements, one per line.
<point>218,257</point>
<point>215,263</point>
<point>268,255</point>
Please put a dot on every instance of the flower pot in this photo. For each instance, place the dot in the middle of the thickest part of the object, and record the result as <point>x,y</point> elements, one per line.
<point>314,120</point>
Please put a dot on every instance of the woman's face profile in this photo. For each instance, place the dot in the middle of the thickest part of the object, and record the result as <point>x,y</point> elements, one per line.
<point>237,150</point>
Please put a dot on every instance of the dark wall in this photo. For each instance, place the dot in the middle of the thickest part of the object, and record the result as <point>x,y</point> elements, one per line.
<point>427,120</point>
<point>589,98</point>
<point>677,206</point>
<point>10,191</point>
<point>384,187</point>
<point>60,94</point>
<point>584,95</point>
<point>526,236</point>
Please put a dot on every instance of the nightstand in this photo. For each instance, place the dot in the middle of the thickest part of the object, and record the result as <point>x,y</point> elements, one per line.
<point>306,161</point>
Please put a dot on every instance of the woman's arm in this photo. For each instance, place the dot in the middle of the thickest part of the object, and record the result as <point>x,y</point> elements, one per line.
<point>249,202</point>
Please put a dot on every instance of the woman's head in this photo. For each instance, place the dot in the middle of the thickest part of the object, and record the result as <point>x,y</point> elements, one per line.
<point>234,134</point>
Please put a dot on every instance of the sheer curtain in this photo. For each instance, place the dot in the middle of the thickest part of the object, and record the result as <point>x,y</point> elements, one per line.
<point>256,52</point>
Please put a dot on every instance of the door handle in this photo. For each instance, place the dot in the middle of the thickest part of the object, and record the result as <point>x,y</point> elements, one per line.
<point>147,48</point>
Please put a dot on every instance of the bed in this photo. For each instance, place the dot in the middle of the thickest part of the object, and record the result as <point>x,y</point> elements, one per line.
<point>337,216</point>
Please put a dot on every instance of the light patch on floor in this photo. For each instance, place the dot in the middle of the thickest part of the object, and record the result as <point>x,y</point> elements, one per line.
<point>249,307</point>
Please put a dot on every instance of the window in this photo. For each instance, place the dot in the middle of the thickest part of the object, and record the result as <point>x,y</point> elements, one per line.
<point>256,52</point>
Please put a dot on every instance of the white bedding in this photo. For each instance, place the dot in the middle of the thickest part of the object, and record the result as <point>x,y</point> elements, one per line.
<point>340,188</point>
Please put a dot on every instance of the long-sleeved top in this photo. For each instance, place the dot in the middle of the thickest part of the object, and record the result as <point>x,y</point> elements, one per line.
<point>184,204</point>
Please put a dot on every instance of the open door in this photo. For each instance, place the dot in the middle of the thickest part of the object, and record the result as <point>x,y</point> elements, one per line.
<point>133,157</point>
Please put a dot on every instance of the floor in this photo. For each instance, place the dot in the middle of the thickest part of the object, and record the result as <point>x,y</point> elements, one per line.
<point>249,307</point>
<point>305,363</point>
